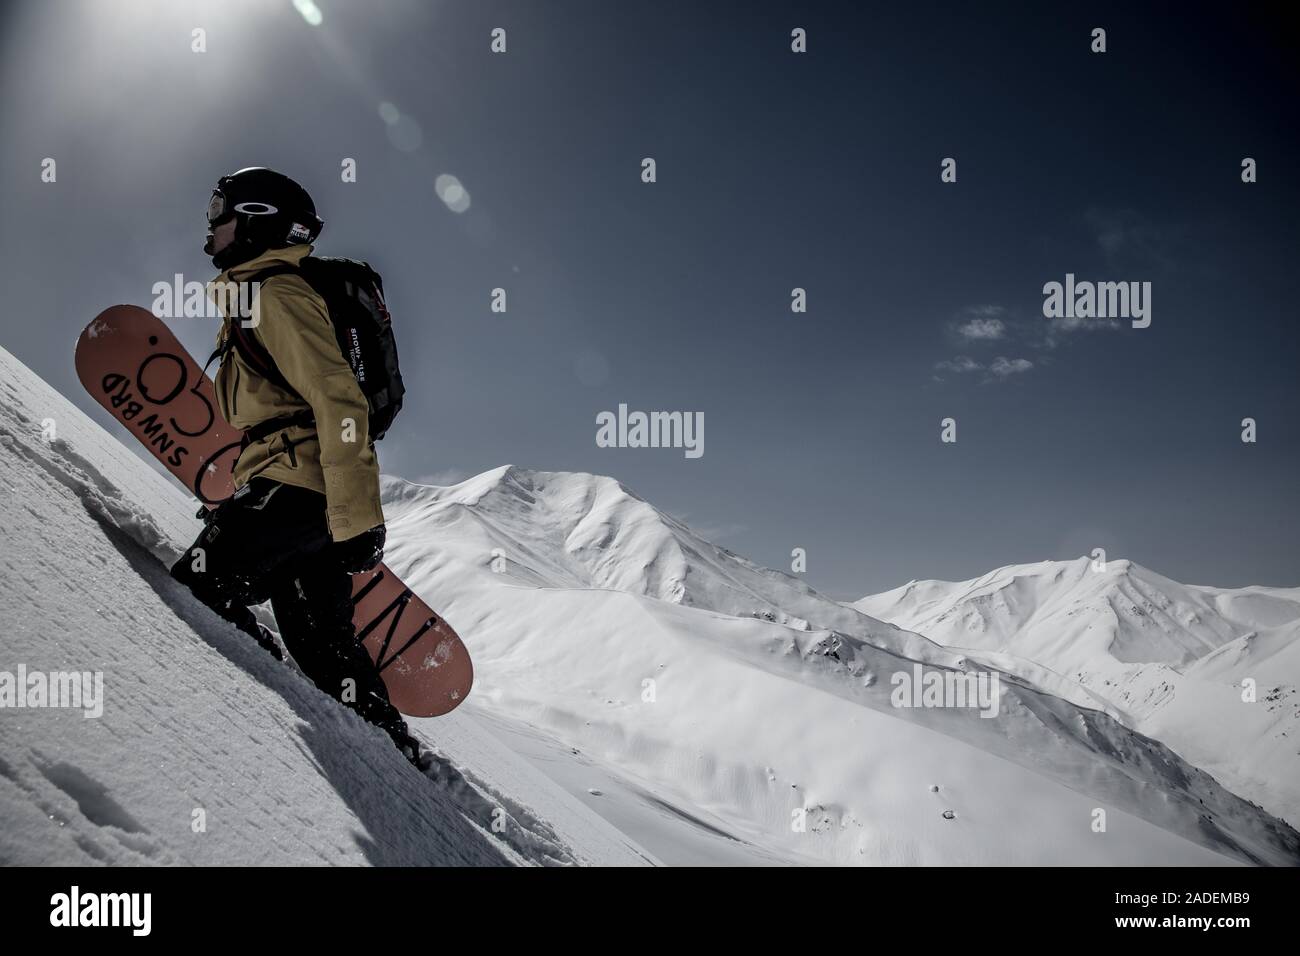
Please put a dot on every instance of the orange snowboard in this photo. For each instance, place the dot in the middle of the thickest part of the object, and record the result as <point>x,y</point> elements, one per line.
<point>132,364</point>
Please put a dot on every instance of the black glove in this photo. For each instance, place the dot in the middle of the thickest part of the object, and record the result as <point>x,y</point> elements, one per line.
<point>362,552</point>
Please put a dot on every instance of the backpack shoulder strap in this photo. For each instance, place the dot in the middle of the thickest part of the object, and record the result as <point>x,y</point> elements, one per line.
<point>249,348</point>
<point>255,354</point>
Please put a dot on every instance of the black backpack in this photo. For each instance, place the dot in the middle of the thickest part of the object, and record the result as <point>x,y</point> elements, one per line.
<point>354,297</point>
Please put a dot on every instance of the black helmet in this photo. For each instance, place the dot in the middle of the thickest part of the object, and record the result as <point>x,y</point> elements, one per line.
<point>270,209</point>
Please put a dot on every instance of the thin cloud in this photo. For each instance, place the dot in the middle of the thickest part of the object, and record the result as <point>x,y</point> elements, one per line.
<point>982,329</point>
<point>1059,327</point>
<point>1004,367</point>
<point>999,370</point>
<point>1125,236</point>
<point>960,364</point>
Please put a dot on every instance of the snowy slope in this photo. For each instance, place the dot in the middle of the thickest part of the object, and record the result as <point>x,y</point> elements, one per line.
<point>197,719</point>
<point>596,618</point>
<point>629,706</point>
<point>1170,658</point>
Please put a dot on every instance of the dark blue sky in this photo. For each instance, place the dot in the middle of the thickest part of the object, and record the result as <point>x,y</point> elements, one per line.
<point>774,171</point>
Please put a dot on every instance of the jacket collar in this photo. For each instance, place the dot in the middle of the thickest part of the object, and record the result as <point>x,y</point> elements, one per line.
<point>219,289</point>
<point>290,255</point>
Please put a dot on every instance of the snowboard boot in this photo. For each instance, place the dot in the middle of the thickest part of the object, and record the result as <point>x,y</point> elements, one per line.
<point>391,723</point>
<point>408,746</point>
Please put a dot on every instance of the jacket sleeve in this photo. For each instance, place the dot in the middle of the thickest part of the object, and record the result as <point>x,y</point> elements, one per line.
<point>296,330</point>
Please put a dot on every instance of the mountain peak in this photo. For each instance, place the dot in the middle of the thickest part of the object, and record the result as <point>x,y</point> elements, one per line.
<point>1067,614</point>
<point>566,529</point>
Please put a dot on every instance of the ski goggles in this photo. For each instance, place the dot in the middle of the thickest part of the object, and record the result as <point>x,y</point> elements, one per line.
<point>217,209</point>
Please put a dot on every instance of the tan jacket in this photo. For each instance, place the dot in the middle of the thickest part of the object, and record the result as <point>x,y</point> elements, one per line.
<point>293,326</point>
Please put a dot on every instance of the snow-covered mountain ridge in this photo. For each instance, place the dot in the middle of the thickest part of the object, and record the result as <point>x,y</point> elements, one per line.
<point>578,591</point>
<point>1172,660</point>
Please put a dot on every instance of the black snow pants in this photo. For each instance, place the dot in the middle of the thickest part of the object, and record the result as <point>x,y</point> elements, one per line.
<point>271,542</point>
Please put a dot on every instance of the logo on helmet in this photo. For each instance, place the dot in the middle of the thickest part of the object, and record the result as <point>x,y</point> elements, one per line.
<point>256,209</point>
<point>299,233</point>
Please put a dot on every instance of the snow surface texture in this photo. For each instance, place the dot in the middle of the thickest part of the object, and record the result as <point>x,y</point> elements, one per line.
<point>1169,659</point>
<point>642,696</point>
<point>196,717</point>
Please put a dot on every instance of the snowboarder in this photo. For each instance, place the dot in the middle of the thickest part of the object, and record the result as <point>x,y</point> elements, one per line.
<point>306,514</point>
